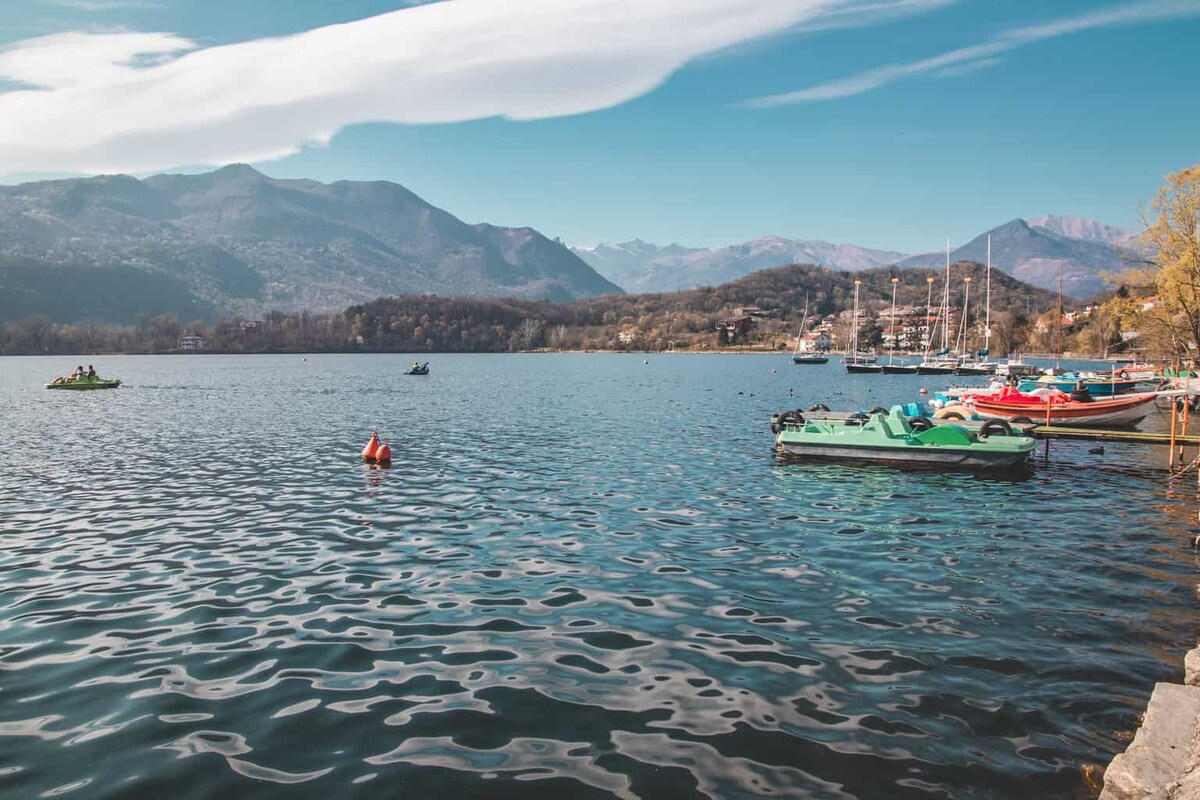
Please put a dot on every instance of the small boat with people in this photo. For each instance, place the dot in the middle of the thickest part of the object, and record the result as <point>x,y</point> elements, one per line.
<point>418,369</point>
<point>83,380</point>
<point>889,437</point>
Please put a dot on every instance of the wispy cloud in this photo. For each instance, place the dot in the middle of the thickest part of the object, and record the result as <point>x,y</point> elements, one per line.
<point>972,58</point>
<point>103,5</point>
<point>144,101</point>
<point>967,67</point>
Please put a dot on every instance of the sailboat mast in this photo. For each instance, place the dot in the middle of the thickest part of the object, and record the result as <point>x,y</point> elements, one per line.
<point>1058,321</point>
<point>929,326</point>
<point>803,325</point>
<point>987,320</point>
<point>892,350</point>
<point>854,334</point>
<point>963,344</point>
<point>946,301</point>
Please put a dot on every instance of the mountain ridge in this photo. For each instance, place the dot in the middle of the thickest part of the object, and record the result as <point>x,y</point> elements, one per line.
<point>639,266</point>
<point>1030,249</point>
<point>237,241</point>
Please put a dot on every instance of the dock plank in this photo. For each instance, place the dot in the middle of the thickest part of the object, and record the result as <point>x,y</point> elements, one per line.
<point>1099,434</point>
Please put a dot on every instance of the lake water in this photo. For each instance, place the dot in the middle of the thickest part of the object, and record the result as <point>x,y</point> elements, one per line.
<point>583,576</point>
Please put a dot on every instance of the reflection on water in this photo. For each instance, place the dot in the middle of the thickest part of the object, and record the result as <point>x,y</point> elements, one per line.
<point>582,577</point>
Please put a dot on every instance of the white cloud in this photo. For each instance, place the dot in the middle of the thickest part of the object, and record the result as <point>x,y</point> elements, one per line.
<point>967,67</point>
<point>103,5</point>
<point>965,60</point>
<point>144,101</point>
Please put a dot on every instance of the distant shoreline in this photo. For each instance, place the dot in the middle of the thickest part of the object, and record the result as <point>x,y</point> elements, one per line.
<point>716,351</point>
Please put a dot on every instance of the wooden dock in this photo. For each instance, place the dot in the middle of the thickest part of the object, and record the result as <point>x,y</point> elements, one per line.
<point>1058,432</point>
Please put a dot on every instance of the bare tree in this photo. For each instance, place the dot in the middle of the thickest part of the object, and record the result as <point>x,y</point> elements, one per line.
<point>560,335</point>
<point>529,330</point>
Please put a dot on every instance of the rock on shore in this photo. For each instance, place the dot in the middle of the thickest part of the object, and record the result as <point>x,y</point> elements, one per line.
<point>1163,761</point>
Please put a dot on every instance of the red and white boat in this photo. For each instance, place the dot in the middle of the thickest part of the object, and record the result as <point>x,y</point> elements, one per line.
<point>1122,411</point>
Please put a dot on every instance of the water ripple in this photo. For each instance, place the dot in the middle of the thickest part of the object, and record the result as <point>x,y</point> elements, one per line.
<point>579,577</point>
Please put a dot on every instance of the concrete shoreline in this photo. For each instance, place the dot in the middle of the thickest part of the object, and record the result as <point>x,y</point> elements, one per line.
<point>1163,760</point>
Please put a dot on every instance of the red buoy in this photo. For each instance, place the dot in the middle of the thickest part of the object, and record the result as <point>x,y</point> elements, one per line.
<point>371,451</point>
<point>383,454</point>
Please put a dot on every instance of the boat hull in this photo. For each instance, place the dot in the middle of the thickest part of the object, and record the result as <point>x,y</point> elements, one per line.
<point>908,456</point>
<point>84,386</point>
<point>810,359</point>
<point>864,369</point>
<point>1096,388</point>
<point>899,369</point>
<point>889,438</point>
<point>1124,412</point>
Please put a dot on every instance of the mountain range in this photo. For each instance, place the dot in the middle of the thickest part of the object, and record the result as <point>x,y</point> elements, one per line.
<point>1031,250</point>
<point>237,241</point>
<point>639,266</point>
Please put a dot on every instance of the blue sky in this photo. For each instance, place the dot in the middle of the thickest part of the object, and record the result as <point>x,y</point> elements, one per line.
<point>1032,108</point>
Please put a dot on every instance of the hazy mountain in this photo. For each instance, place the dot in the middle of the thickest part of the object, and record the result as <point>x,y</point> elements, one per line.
<point>1086,229</point>
<point>1034,253</point>
<point>639,266</point>
<point>235,240</point>
<point>1031,250</point>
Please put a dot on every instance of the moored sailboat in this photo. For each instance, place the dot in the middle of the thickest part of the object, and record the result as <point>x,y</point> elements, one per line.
<point>943,362</point>
<point>979,365</point>
<point>891,367</point>
<point>858,362</point>
<point>803,355</point>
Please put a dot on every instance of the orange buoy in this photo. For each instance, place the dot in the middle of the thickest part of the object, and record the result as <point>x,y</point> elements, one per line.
<point>371,451</point>
<point>383,454</point>
<point>924,390</point>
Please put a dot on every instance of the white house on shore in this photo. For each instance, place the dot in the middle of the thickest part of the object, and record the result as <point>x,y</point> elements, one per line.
<point>190,342</point>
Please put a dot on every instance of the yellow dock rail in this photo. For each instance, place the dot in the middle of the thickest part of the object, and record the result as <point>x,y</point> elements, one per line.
<point>1099,434</point>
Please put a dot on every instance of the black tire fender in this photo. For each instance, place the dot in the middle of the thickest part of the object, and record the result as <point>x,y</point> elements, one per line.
<point>857,418</point>
<point>790,418</point>
<point>995,427</point>
<point>921,423</point>
<point>879,410</point>
<point>818,407</point>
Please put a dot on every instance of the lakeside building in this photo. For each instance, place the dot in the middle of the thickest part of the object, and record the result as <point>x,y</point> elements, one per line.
<point>816,342</point>
<point>190,342</point>
<point>628,336</point>
<point>731,330</point>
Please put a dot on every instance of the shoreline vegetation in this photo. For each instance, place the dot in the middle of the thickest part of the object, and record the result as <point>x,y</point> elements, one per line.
<point>725,351</point>
<point>761,312</point>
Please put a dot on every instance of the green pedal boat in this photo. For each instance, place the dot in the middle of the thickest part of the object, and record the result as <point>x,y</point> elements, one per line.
<point>890,438</point>
<point>84,384</point>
